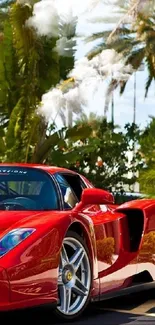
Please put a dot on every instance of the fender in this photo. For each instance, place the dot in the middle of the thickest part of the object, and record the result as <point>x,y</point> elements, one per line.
<point>88,227</point>
<point>38,255</point>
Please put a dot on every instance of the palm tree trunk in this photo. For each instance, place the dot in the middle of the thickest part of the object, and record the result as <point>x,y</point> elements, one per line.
<point>69,117</point>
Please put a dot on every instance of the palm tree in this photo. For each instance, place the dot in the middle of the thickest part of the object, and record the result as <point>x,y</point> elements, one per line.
<point>135,39</point>
<point>29,66</point>
<point>93,120</point>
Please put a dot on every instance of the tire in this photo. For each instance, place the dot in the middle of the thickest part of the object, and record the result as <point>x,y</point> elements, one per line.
<point>74,279</point>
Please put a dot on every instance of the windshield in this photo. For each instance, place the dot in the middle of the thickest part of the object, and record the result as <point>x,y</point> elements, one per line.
<point>26,189</point>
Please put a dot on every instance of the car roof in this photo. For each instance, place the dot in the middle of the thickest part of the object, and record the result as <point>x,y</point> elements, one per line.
<point>50,169</point>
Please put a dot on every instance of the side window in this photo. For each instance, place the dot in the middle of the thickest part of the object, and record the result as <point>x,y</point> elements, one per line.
<point>69,197</point>
<point>76,184</point>
<point>85,181</point>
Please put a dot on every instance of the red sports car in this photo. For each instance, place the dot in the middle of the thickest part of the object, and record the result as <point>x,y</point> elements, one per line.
<point>63,242</point>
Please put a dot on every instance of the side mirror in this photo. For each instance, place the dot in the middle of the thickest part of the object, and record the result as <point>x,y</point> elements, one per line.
<point>94,196</point>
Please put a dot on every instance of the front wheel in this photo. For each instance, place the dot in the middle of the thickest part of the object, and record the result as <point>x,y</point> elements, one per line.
<point>74,279</point>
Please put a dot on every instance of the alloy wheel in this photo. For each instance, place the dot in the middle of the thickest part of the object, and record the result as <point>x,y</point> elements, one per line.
<point>74,279</point>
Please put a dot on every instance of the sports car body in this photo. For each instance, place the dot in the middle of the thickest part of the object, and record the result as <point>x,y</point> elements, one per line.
<point>64,242</point>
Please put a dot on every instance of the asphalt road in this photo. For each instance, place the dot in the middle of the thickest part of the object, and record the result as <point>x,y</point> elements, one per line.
<point>137,309</point>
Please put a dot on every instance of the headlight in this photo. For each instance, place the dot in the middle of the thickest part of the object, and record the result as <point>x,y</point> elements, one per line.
<point>13,238</point>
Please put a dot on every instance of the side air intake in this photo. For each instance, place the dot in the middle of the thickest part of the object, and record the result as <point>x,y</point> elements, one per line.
<point>135,219</point>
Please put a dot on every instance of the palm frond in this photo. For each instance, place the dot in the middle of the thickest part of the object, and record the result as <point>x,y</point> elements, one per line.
<point>121,45</point>
<point>23,36</point>
<point>123,30</point>
<point>150,61</point>
<point>67,26</point>
<point>122,86</point>
<point>112,86</point>
<point>96,50</point>
<point>136,58</point>
<point>105,20</point>
<point>147,85</point>
<point>97,36</point>
<point>123,41</point>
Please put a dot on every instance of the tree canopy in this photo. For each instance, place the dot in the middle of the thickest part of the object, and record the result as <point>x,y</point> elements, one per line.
<point>133,36</point>
<point>147,151</point>
<point>29,67</point>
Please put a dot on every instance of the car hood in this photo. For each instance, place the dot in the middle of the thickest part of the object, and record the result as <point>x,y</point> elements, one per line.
<point>9,218</point>
<point>30,219</point>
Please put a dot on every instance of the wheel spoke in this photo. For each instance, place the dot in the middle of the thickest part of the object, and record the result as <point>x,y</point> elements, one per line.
<point>64,257</point>
<point>77,258</point>
<point>79,288</point>
<point>60,278</point>
<point>65,298</point>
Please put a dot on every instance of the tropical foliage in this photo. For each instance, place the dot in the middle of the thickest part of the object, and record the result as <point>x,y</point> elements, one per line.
<point>147,150</point>
<point>133,36</point>
<point>29,66</point>
<point>99,150</point>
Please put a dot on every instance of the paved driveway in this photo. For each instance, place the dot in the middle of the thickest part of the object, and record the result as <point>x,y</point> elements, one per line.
<point>137,309</point>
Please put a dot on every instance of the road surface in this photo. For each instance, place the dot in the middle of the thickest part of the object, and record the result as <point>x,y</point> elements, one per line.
<point>136,309</point>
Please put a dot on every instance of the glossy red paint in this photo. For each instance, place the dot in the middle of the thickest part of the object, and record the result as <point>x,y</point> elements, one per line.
<point>146,250</point>
<point>4,289</point>
<point>32,265</point>
<point>94,196</point>
<point>112,246</point>
<point>28,273</point>
<point>113,206</point>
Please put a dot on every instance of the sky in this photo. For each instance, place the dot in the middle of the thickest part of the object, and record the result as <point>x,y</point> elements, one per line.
<point>123,111</point>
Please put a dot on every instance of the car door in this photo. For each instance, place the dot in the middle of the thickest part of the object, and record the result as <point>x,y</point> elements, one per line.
<point>112,245</point>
